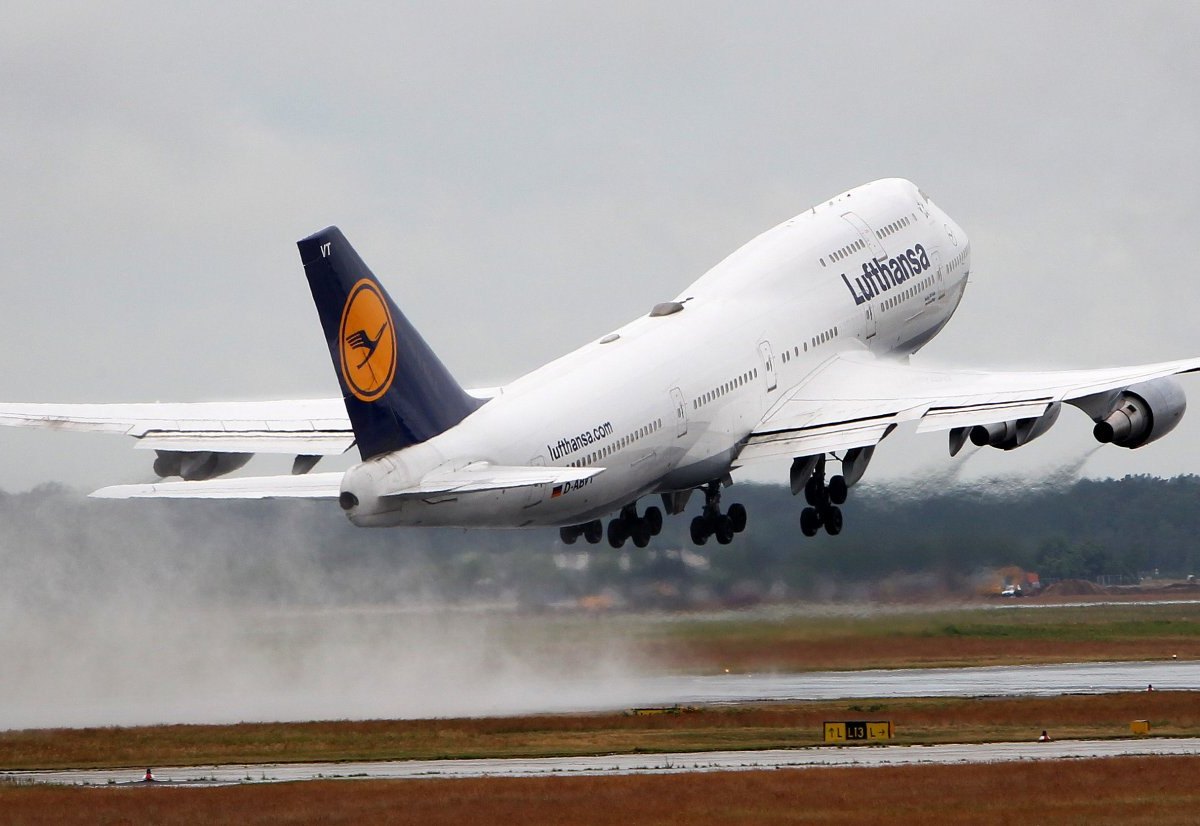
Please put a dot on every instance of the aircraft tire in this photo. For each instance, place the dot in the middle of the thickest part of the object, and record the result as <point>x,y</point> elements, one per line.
<point>616,533</point>
<point>737,515</point>
<point>569,534</point>
<point>810,521</point>
<point>724,529</point>
<point>699,530</point>
<point>593,531</point>
<point>833,520</point>
<point>640,533</point>
<point>838,490</point>
<point>654,518</point>
<point>814,492</point>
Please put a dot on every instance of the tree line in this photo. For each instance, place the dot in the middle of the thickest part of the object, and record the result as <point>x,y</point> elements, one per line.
<point>54,542</point>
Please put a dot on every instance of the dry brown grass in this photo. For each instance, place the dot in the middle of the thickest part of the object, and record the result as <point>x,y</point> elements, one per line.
<point>1129,790</point>
<point>928,720</point>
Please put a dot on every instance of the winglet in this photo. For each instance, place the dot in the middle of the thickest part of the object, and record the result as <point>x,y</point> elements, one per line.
<point>397,392</point>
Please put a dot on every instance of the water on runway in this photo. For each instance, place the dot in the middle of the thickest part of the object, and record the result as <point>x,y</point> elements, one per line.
<point>672,763</point>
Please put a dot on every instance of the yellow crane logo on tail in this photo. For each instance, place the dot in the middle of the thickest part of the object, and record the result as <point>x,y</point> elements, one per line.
<point>368,342</point>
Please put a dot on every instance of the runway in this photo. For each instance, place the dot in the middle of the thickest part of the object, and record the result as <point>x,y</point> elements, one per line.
<point>672,763</point>
<point>1036,680</point>
<point>589,692</point>
<point>1015,681</point>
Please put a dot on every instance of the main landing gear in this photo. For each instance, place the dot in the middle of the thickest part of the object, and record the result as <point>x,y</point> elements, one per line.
<point>823,500</point>
<point>628,525</point>
<point>711,522</point>
<point>592,531</point>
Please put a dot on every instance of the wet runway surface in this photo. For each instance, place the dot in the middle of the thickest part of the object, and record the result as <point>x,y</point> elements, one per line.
<point>672,763</point>
<point>1017,681</point>
<point>1039,680</point>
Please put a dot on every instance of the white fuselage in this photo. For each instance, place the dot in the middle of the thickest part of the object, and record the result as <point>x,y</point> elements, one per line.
<point>666,402</point>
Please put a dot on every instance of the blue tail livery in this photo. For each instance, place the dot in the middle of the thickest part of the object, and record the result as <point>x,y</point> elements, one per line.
<point>397,392</point>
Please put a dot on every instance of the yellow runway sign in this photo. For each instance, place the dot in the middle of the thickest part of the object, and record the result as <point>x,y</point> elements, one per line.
<point>841,732</point>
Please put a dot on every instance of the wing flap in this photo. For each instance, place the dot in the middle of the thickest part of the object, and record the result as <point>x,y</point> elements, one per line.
<point>819,439</point>
<point>967,415</point>
<point>314,443</point>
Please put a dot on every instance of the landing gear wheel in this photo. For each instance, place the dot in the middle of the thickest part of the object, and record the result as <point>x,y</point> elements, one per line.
<point>654,519</point>
<point>640,533</point>
<point>593,531</point>
<point>699,530</point>
<point>838,490</point>
<point>810,521</point>
<point>833,520</point>
<point>814,491</point>
<point>616,533</point>
<point>568,535</point>
<point>724,529</point>
<point>737,516</point>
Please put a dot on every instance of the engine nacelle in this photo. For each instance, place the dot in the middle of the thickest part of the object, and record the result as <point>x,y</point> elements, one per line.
<point>1143,413</point>
<point>196,466</point>
<point>1014,433</point>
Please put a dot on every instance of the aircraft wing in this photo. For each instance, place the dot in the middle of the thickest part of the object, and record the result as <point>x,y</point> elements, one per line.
<point>314,427</point>
<point>855,400</point>
<point>474,478</point>
<point>309,426</point>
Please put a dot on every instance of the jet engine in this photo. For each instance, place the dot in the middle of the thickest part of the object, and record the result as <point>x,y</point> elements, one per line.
<point>1142,413</point>
<point>195,466</point>
<point>1005,435</point>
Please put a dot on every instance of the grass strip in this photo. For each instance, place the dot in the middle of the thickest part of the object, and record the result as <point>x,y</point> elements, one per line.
<point>751,726</point>
<point>987,635</point>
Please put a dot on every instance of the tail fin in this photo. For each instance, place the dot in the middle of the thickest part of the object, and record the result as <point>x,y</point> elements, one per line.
<point>397,392</point>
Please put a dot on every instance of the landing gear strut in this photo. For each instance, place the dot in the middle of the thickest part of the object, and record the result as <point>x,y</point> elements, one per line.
<point>628,525</point>
<point>823,500</point>
<point>711,522</point>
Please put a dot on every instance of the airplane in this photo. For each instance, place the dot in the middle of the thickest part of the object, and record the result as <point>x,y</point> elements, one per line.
<point>795,346</point>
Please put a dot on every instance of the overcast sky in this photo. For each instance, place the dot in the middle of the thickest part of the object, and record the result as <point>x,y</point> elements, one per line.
<point>526,176</point>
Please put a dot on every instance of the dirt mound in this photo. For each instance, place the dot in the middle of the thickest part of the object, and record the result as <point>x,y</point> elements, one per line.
<point>1074,588</point>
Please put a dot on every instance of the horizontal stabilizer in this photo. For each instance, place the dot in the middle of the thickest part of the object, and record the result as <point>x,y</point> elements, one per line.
<point>304,486</point>
<point>478,477</point>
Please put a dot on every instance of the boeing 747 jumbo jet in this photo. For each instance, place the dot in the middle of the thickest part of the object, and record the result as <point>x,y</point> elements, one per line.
<point>796,345</point>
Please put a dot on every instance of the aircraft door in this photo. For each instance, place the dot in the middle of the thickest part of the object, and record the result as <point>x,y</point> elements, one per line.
<point>681,422</point>
<point>768,362</point>
<point>534,493</point>
<point>941,275</point>
<point>866,233</point>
